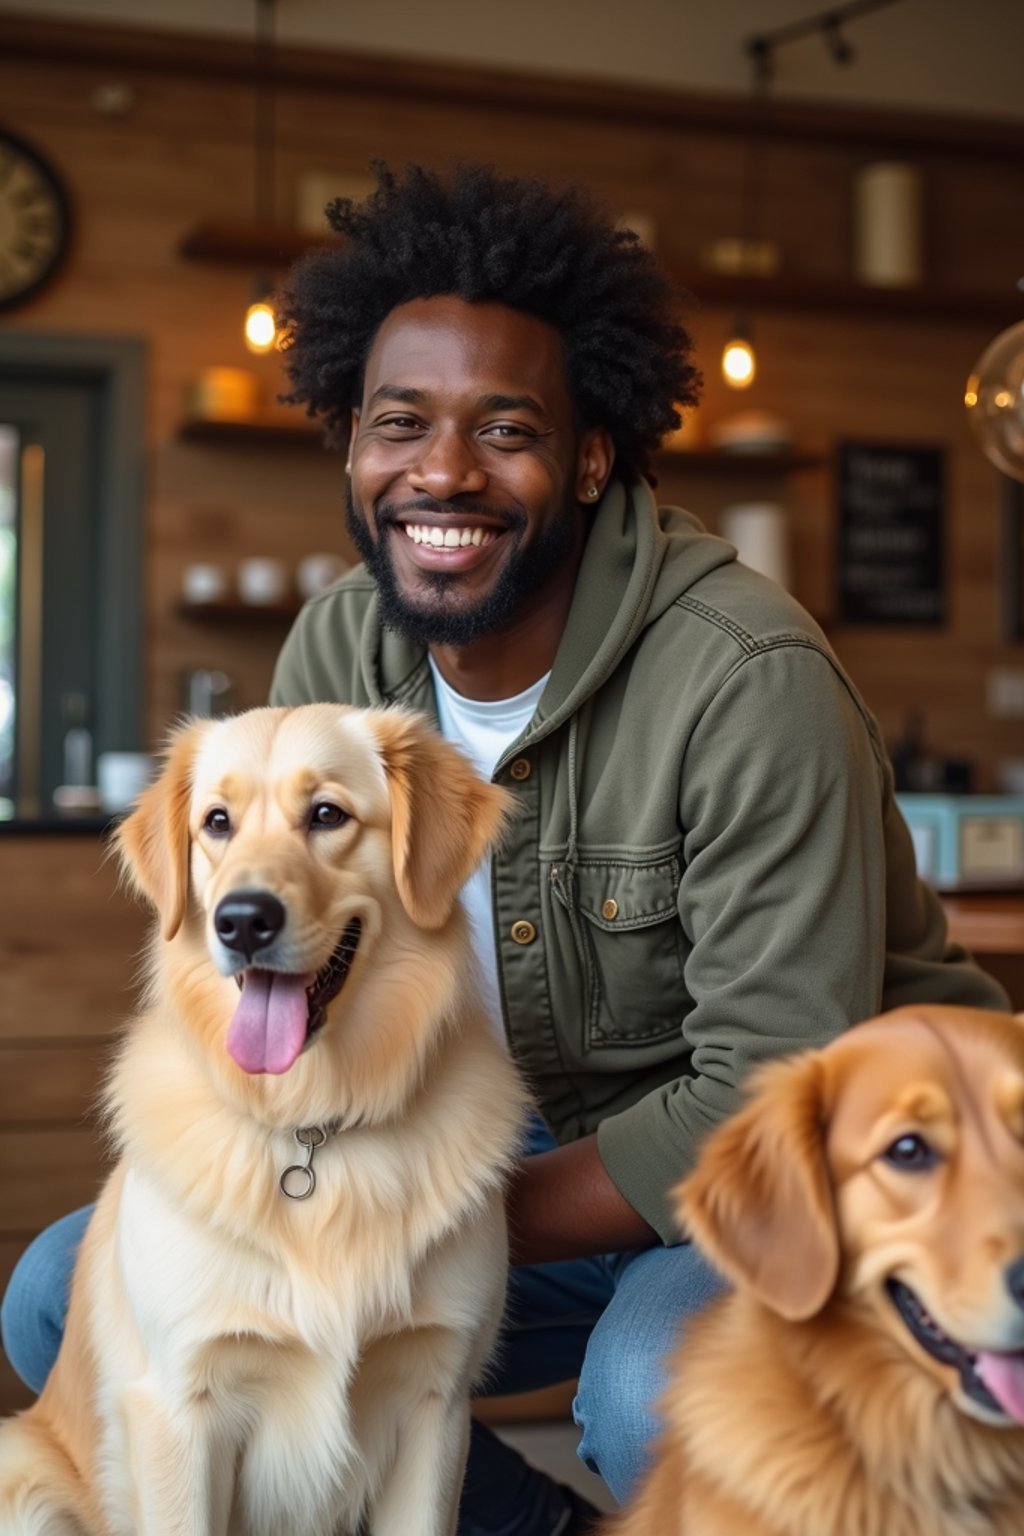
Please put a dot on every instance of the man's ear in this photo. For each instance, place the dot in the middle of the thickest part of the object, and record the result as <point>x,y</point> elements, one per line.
<point>353,428</point>
<point>594,461</point>
<point>444,817</point>
<point>759,1202</point>
<point>153,842</point>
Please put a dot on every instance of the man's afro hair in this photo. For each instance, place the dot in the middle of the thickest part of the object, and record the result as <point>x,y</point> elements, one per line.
<point>481,236</point>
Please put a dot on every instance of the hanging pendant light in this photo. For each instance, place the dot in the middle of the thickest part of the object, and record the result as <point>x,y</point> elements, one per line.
<point>739,363</point>
<point>260,326</point>
<point>994,398</point>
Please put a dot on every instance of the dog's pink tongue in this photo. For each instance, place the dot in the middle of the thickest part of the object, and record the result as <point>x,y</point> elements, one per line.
<point>269,1026</point>
<point>1004,1377</point>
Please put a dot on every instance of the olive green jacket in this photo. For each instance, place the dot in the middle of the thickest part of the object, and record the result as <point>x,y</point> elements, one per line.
<point>709,868</point>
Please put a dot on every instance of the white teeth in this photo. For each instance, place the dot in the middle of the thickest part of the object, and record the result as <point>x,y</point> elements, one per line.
<point>448,538</point>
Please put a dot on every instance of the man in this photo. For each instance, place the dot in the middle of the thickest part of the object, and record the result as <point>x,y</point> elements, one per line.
<point>708,868</point>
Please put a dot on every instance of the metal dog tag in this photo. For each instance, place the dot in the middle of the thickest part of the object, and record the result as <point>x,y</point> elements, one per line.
<point>298,1180</point>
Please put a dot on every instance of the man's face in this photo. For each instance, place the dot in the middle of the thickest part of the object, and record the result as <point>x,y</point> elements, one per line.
<point>468,480</point>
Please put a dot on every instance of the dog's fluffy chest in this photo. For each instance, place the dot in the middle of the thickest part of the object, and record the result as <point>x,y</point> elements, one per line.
<point>188,1287</point>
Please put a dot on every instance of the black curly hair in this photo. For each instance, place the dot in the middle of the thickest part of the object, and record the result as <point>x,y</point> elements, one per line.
<point>482,236</point>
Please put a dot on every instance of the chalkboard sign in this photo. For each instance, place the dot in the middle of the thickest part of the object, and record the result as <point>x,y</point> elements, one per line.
<point>891,544</point>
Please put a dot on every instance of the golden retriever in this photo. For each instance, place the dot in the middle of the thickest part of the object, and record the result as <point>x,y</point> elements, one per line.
<point>296,1271</point>
<point>865,1376</point>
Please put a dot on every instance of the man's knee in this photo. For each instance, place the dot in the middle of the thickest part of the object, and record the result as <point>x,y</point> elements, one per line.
<point>624,1373</point>
<point>34,1306</point>
<point>615,1409</point>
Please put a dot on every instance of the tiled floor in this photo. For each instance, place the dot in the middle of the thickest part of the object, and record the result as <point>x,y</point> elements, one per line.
<point>553,1447</point>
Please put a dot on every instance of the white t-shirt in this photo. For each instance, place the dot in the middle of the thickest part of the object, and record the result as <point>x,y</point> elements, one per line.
<point>483,729</point>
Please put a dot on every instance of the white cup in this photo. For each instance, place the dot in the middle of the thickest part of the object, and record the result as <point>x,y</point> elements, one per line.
<point>316,573</point>
<point>262,581</point>
<point>121,778</point>
<point>204,583</point>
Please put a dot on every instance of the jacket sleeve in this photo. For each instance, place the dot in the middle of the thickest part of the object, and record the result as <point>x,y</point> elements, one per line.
<point>787,809</point>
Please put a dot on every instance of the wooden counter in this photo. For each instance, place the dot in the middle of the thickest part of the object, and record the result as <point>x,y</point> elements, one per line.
<point>987,923</point>
<point>991,926</point>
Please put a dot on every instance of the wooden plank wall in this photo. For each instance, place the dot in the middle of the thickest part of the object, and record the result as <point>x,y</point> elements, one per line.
<point>183,154</point>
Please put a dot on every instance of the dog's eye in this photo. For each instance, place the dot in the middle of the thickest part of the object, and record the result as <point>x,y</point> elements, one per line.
<point>217,822</point>
<point>911,1152</point>
<point>324,814</point>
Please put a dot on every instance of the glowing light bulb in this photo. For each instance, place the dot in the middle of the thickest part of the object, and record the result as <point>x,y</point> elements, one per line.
<point>260,327</point>
<point>738,363</point>
<point>994,398</point>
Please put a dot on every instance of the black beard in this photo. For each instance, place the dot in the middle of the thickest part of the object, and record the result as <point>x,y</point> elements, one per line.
<point>441,623</point>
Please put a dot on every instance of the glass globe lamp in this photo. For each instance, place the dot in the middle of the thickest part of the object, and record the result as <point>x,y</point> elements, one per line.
<point>994,398</point>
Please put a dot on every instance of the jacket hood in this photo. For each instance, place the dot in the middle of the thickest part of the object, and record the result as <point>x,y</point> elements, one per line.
<point>639,559</point>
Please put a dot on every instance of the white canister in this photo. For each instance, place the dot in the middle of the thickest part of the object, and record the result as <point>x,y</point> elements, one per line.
<point>888,239</point>
<point>761,536</point>
<point>121,777</point>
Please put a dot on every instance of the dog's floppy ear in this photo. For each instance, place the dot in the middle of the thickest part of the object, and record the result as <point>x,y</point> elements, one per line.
<point>444,817</point>
<point>759,1201</point>
<point>153,842</point>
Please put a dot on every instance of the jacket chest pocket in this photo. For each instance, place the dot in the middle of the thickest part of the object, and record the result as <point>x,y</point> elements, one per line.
<point>628,939</point>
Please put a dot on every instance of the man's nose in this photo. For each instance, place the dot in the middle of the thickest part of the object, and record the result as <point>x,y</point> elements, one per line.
<point>448,465</point>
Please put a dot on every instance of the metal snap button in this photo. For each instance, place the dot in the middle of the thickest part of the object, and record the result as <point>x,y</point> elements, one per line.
<point>610,909</point>
<point>521,768</point>
<point>523,932</point>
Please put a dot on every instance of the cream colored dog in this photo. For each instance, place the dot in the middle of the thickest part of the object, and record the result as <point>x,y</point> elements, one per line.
<point>866,1375</point>
<point>296,1270</point>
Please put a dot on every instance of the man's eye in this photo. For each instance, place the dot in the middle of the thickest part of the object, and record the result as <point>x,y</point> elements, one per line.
<point>509,432</point>
<point>325,814</point>
<point>217,822</point>
<point>399,423</point>
<point>912,1153</point>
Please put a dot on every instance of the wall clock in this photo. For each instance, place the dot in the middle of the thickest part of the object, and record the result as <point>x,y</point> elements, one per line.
<point>35,220</point>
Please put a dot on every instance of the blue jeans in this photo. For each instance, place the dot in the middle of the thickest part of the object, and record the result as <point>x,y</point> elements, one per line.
<point>610,1321</point>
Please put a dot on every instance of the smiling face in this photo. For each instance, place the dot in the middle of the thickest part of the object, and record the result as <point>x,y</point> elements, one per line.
<point>306,865</point>
<point>926,1147</point>
<point>469,477</point>
<point>879,1183</point>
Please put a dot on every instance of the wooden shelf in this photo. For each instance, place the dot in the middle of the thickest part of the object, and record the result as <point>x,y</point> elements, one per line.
<point>725,462</point>
<point>250,245</point>
<point>817,295</point>
<point>238,613</point>
<point>257,431</point>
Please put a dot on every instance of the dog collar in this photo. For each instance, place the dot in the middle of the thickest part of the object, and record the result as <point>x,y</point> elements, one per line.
<point>298,1180</point>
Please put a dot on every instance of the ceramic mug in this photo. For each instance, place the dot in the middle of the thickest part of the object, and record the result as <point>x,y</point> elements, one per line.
<point>262,581</point>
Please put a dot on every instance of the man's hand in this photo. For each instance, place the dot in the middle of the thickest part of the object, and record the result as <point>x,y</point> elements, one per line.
<point>563,1205</point>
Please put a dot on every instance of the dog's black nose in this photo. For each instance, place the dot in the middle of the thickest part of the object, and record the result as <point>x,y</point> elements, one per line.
<point>248,921</point>
<point>1014,1277</point>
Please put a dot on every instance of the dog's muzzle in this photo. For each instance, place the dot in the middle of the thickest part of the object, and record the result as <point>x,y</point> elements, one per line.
<point>994,1379</point>
<point>280,1012</point>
